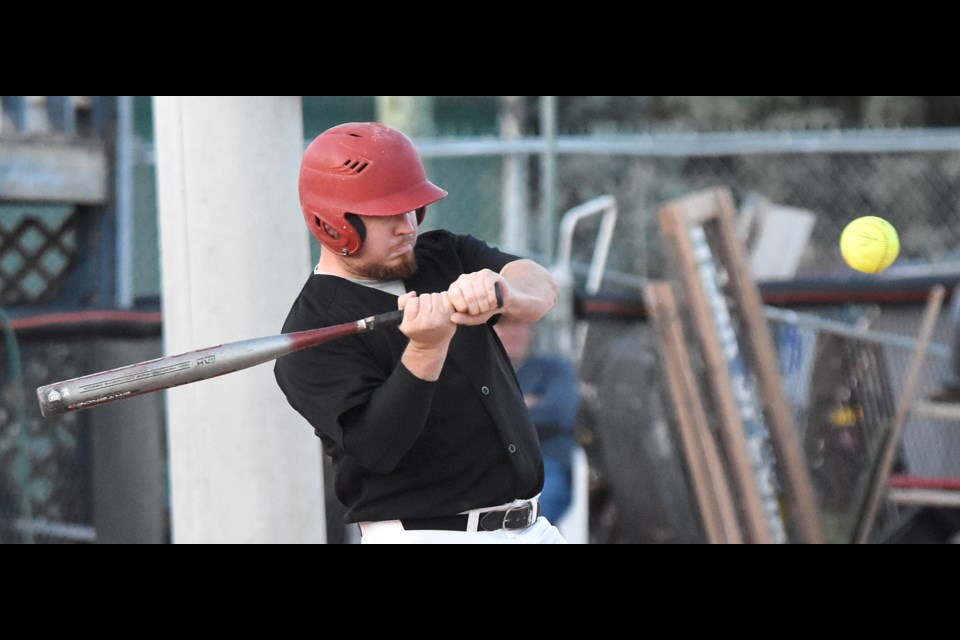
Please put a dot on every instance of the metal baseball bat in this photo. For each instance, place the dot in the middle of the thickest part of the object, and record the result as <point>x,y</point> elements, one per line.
<point>172,371</point>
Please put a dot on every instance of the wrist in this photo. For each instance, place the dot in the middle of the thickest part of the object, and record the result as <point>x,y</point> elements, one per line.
<point>425,361</point>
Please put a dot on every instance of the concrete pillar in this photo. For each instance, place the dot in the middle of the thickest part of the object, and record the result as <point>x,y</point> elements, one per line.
<point>244,467</point>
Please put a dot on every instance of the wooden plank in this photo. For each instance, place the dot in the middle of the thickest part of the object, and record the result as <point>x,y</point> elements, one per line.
<point>942,410</point>
<point>33,170</point>
<point>782,236</point>
<point>929,497</point>
<point>674,225</point>
<point>878,484</point>
<point>710,486</point>
<point>762,353</point>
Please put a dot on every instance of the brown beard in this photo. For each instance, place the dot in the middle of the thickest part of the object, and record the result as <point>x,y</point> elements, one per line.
<point>396,271</point>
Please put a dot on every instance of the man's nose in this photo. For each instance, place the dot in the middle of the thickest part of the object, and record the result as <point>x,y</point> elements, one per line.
<point>406,224</point>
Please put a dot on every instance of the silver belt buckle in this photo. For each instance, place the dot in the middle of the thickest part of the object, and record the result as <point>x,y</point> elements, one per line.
<point>519,517</point>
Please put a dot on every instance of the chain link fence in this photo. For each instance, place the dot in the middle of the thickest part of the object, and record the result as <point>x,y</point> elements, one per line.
<point>45,465</point>
<point>844,382</point>
<point>911,178</point>
<point>82,476</point>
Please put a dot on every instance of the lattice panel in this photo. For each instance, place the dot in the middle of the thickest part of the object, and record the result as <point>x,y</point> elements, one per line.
<point>36,255</point>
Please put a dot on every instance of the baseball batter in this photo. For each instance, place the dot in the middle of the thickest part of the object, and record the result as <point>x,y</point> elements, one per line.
<point>430,439</point>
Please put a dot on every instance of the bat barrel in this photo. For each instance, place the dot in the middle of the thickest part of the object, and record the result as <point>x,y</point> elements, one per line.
<point>172,371</point>
<point>162,373</point>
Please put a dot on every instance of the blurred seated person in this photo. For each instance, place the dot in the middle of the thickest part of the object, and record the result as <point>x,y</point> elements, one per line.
<point>550,388</point>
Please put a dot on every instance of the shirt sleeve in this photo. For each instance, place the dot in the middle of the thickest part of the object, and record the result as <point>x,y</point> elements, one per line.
<point>356,399</point>
<point>391,420</point>
<point>476,254</point>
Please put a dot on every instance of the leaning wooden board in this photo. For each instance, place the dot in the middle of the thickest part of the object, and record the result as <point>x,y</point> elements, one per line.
<point>707,474</point>
<point>739,376</point>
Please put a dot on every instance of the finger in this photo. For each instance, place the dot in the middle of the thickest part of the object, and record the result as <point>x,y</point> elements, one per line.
<point>411,308</point>
<point>474,296</point>
<point>402,300</point>
<point>437,306</point>
<point>488,298</point>
<point>428,304</point>
<point>467,319</point>
<point>457,298</point>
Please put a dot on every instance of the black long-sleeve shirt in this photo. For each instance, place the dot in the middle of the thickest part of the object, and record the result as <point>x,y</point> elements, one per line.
<point>403,447</point>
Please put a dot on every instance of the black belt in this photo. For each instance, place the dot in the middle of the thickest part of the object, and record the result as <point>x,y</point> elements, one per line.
<point>510,519</point>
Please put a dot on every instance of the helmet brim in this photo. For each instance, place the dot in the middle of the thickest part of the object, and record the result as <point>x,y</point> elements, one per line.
<point>420,195</point>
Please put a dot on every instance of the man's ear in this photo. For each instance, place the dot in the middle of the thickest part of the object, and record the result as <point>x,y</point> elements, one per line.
<point>330,231</point>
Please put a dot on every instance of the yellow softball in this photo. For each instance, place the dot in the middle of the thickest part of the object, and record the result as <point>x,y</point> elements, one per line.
<point>869,244</point>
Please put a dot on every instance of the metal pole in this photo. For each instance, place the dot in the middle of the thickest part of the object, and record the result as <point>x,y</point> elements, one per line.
<point>513,223</point>
<point>548,174</point>
<point>123,184</point>
<point>22,463</point>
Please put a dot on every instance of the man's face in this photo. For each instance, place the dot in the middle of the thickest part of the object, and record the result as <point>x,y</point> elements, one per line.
<point>516,339</point>
<point>387,250</point>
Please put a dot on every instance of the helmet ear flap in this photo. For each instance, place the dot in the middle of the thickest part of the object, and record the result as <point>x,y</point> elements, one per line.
<point>357,223</point>
<point>336,236</point>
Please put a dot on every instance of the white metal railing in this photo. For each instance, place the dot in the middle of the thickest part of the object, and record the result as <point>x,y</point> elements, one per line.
<point>569,340</point>
<point>706,144</point>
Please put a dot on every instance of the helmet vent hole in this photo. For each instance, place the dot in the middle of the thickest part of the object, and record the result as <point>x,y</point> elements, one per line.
<point>352,166</point>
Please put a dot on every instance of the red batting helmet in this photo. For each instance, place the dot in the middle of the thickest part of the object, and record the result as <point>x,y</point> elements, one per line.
<point>362,168</point>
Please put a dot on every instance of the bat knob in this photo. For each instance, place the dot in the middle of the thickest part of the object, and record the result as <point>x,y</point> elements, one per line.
<point>51,401</point>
